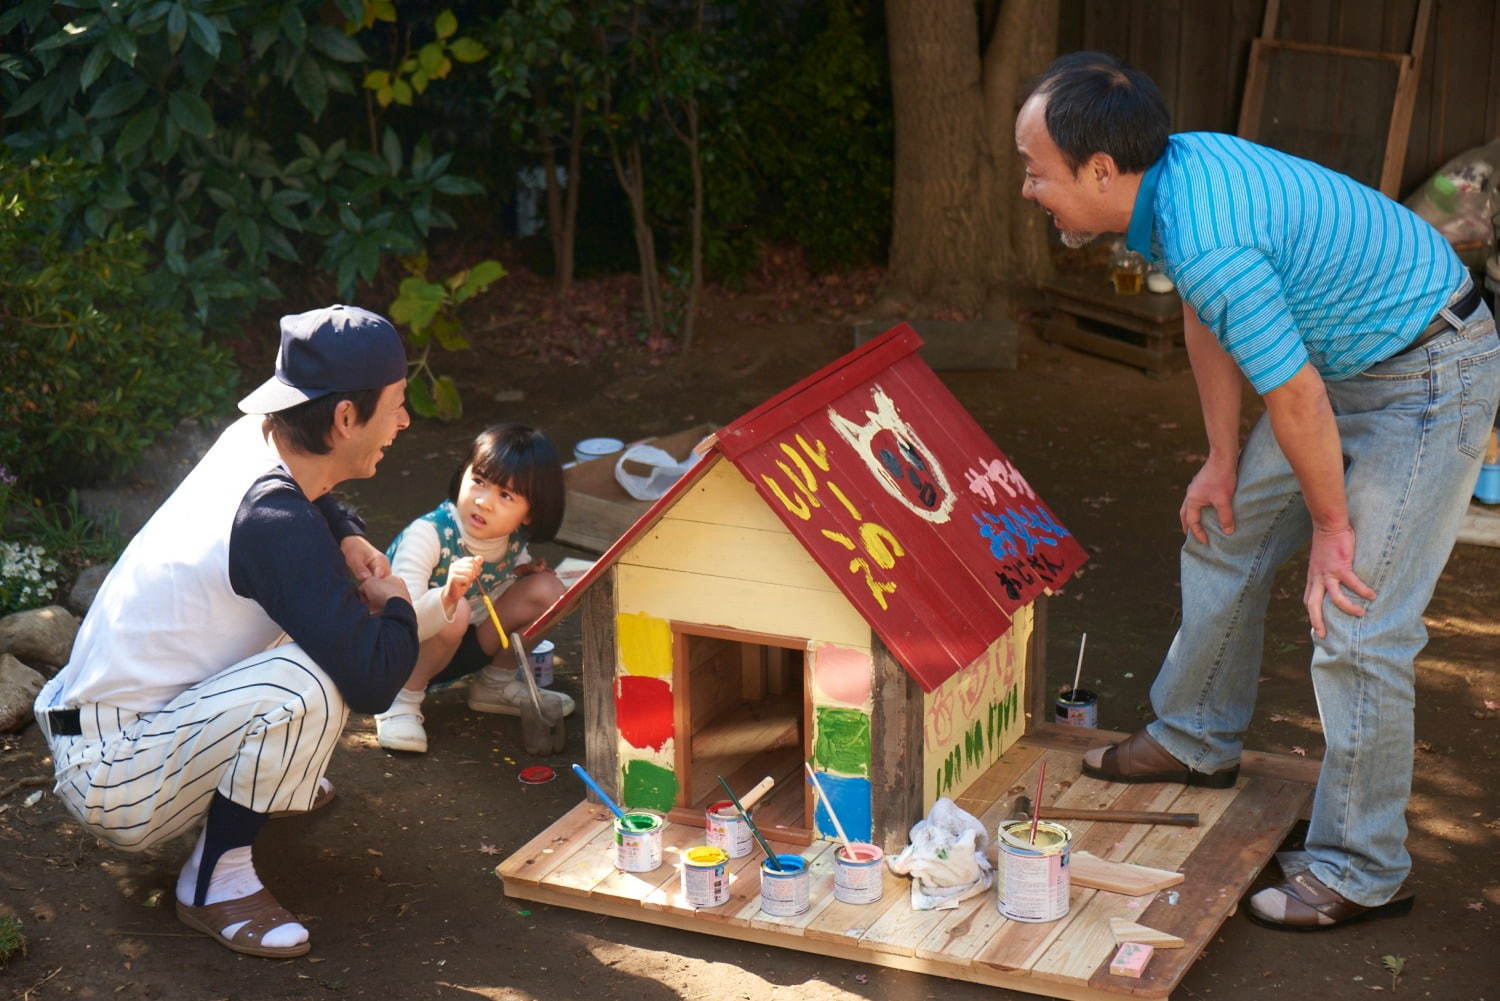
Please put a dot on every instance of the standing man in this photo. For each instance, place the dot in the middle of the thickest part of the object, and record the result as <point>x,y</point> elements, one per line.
<point>1380,370</point>
<point>176,708</point>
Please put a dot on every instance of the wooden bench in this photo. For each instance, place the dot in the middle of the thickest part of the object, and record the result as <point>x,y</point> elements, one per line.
<point>1143,330</point>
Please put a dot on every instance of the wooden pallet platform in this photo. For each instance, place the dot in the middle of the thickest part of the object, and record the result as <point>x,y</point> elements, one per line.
<point>570,865</point>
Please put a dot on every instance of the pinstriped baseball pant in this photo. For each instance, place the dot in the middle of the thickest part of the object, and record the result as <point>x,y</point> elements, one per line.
<point>260,732</point>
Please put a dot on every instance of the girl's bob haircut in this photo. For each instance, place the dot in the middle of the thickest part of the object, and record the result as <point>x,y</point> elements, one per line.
<point>521,459</point>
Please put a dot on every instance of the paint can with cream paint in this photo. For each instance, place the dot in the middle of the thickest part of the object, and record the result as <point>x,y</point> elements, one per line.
<point>858,873</point>
<point>1031,877</point>
<point>725,828</point>
<point>705,876</point>
<point>638,841</point>
<point>784,893</point>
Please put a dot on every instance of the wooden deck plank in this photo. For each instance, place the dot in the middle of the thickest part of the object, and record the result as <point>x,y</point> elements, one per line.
<point>593,863</point>
<point>549,849</point>
<point>1218,871</point>
<point>656,884</point>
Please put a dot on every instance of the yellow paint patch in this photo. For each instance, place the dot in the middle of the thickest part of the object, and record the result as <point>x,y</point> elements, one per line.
<point>645,644</point>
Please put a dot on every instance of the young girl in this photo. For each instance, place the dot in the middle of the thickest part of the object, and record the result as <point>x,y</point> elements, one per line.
<point>507,492</point>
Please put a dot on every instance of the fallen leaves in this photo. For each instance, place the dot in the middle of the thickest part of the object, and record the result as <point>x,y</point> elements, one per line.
<point>485,848</point>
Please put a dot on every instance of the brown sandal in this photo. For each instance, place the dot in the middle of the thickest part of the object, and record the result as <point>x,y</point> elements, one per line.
<point>261,913</point>
<point>320,799</point>
<point>1304,903</point>
<point>1139,758</point>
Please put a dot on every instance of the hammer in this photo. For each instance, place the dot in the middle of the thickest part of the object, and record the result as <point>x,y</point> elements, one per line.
<point>1022,808</point>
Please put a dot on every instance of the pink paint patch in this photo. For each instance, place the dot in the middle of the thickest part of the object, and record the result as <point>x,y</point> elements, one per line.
<point>843,674</point>
<point>643,711</point>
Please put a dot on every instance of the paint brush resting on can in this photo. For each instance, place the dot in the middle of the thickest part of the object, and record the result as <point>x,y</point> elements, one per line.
<point>771,858</point>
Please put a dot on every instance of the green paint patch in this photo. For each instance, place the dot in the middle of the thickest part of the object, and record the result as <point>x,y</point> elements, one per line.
<point>648,786</point>
<point>843,741</point>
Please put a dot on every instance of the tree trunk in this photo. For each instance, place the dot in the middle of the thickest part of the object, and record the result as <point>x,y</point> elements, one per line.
<point>960,235</point>
<point>570,208</point>
<point>562,274</point>
<point>630,172</point>
<point>695,264</point>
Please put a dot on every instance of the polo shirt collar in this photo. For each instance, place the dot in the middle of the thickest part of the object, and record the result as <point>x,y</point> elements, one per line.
<point>1143,215</point>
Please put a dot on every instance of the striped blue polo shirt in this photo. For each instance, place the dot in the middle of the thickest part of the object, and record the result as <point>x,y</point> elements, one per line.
<point>1288,262</point>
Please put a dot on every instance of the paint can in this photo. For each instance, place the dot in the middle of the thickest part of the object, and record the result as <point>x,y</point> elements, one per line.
<point>638,842</point>
<point>705,876</point>
<point>1032,879</point>
<point>784,893</point>
<point>726,829</point>
<point>541,664</point>
<point>1077,707</point>
<point>858,873</point>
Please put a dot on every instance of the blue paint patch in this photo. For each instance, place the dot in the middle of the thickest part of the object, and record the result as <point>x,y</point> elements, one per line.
<point>851,800</point>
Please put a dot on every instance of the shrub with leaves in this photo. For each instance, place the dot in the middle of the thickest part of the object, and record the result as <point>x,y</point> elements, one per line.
<point>429,311</point>
<point>93,373</point>
<point>202,118</point>
<point>12,939</point>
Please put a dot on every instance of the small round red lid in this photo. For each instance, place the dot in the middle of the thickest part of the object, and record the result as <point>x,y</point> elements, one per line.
<point>537,774</point>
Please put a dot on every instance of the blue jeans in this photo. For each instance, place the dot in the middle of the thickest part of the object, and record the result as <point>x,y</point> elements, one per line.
<point>1413,429</point>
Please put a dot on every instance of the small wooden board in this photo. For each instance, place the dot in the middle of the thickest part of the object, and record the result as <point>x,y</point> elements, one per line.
<point>569,865</point>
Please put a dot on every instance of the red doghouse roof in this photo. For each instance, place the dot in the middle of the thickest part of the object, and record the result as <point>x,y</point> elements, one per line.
<point>892,488</point>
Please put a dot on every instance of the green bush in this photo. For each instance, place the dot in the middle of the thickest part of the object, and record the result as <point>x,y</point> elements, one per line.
<point>93,374</point>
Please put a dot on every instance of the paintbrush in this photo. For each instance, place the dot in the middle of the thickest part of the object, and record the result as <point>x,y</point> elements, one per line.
<point>757,791</point>
<point>588,780</point>
<point>1078,671</point>
<point>827,803</point>
<point>495,618</point>
<point>1036,814</point>
<point>770,855</point>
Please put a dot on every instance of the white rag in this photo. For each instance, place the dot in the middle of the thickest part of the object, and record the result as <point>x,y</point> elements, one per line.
<point>945,858</point>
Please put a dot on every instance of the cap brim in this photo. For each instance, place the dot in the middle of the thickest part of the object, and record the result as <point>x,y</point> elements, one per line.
<point>274,395</point>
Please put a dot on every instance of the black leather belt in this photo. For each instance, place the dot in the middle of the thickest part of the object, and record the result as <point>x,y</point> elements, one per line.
<point>64,723</point>
<point>1463,309</point>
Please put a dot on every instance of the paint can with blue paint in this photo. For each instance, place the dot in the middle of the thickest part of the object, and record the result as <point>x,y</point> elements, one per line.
<point>1077,707</point>
<point>858,873</point>
<point>705,876</point>
<point>638,841</point>
<point>726,828</point>
<point>784,893</point>
<point>1031,877</point>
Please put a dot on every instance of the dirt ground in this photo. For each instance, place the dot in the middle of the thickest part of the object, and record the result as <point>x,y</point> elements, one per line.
<point>395,879</point>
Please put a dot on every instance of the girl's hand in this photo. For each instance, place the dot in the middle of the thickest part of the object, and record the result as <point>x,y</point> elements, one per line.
<point>527,569</point>
<point>461,573</point>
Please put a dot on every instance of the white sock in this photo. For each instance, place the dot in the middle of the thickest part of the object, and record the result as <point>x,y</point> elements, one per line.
<point>407,702</point>
<point>234,877</point>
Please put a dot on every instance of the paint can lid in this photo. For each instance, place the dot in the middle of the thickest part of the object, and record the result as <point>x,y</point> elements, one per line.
<point>545,646</point>
<point>536,774</point>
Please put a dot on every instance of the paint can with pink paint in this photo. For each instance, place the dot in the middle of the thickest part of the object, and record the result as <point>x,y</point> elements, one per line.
<point>638,841</point>
<point>725,828</point>
<point>1031,877</point>
<point>705,876</point>
<point>858,873</point>
<point>784,892</point>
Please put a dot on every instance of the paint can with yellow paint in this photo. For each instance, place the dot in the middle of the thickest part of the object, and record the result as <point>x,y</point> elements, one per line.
<point>1031,877</point>
<point>705,876</point>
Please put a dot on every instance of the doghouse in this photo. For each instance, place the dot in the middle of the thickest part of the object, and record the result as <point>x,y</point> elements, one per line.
<point>847,576</point>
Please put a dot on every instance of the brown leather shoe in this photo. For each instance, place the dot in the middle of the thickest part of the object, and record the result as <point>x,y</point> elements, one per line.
<point>1303,903</point>
<point>1138,758</point>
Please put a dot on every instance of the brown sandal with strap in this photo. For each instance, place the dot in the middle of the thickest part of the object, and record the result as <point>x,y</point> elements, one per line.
<point>260,912</point>
<point>1138,758</point>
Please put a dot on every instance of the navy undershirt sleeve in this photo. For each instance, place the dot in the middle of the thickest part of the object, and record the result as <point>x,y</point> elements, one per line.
<point>283,555</point>
<point>342,522</point>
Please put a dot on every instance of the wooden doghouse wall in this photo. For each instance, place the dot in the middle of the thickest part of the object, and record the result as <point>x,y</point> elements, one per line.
<point>720,558</point>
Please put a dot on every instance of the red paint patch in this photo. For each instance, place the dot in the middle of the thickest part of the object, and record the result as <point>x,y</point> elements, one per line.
<point>643,711</point>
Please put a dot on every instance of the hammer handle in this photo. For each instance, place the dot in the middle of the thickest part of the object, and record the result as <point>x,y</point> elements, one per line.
<point>1120,816</point>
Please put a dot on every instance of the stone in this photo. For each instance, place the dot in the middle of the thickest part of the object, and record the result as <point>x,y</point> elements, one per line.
<point>86,587</point>
<point>19,686</point>
<point>39,635</point>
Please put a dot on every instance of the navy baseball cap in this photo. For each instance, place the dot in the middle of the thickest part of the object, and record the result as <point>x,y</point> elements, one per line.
<point>336,349</point>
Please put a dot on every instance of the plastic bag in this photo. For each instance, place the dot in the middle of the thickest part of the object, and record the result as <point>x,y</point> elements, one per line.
<point>1462,199</point>
<point>945,858</point>
<point>663,471</point>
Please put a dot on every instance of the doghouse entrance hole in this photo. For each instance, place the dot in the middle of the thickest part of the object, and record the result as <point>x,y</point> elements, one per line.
<point>745,706</point>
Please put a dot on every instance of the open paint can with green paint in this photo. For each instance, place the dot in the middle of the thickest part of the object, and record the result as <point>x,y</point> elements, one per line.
<point>638,841</point>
